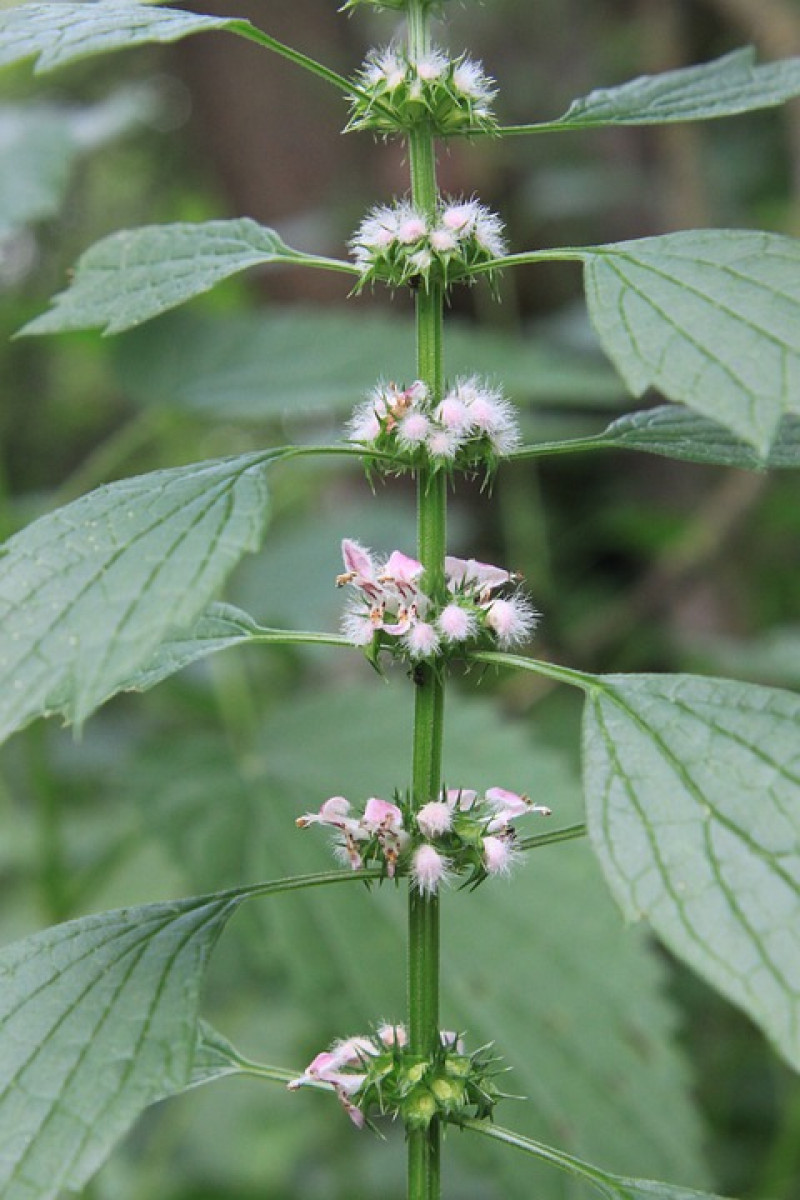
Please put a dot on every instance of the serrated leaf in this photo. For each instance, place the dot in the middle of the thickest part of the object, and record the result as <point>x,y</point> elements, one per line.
<point>136,274</point>
<point>676,433</point>
<point>257,367</point>
<point>62,31</point>
<point>722,88</point>
<point>58,32</point>
<point>88,592</point>
<point>711,318</point>
<point>693,801</point>
<point>98,1020</point>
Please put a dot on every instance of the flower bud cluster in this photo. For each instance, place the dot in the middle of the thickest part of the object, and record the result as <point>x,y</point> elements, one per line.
<point>398,244</point>
<point>473,425</point>
<point>387,610</point>
<point>378,1074</point>
<point>462,834</point>
<point>376,837</point>
<point>396,93</point>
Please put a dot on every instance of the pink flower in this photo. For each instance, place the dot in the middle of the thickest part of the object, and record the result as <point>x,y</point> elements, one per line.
<point>405,619</point>
<point>488,233</point>
<point>364,425</point>
<point>469,575</point>
<point>393,1035</point>
<point>435,818</point>
<point>432,65</point>
<point>421,640</point>
<point>512,620</point>
<point>333,812</point>
<point>443,241</point>
<point>488,410</point>
<point>429,869</point>
<point>498,855</point>
<point>358,625</point>
<point>461,217</point>
<point>380,814</point>
<point>461,798</point>
<point>508,806</point>
<point>360,569</point>
<point>402,571</point>
<point>470,80</point>
<point>453,413</point>
<point>443,443</point>
<point>412,430</point>
<point>456,624</point>
<point>411,227</point>
<point>330,1067</point>
<point>376,232</point>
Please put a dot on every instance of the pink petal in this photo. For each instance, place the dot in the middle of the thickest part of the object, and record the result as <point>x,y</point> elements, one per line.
<point>402,569</point>
<point>357,559</point>
<point>381,814</point>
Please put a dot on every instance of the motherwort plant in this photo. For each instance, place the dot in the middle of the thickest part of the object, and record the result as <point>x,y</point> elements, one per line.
<point>692,784</point>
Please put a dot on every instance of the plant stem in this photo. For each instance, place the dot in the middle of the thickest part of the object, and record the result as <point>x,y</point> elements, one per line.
<point>423,914</point>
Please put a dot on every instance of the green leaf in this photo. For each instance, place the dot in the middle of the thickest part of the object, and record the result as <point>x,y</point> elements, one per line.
<point>57,33</point>
<point>219,628</point>
<point>216,1057</point>
<point>612,1187</point>
<point>136,274</point>
<point>62,31</point>
<point>721,88</point>
<point>257,367</point>
<point>88,592</point>
<point>676,433</point>
<point>98,1020</point>
<point>693,802</point>
<point>711,318</point>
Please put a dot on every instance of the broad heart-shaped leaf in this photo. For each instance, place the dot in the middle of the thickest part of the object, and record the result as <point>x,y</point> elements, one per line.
<point>57,32</point>
<point>693,801</point>
<point>711,318</point>
<point>721,88</point>
<point>679,433</point>
<point>136,274</point>
<point>98,1020</point>
<point>88,592</point>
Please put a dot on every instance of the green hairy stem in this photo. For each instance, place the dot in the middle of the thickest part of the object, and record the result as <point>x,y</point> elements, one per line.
<point>424,1146</point>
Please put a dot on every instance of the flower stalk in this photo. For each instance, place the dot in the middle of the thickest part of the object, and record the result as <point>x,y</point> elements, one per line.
<point>424,1145</point>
